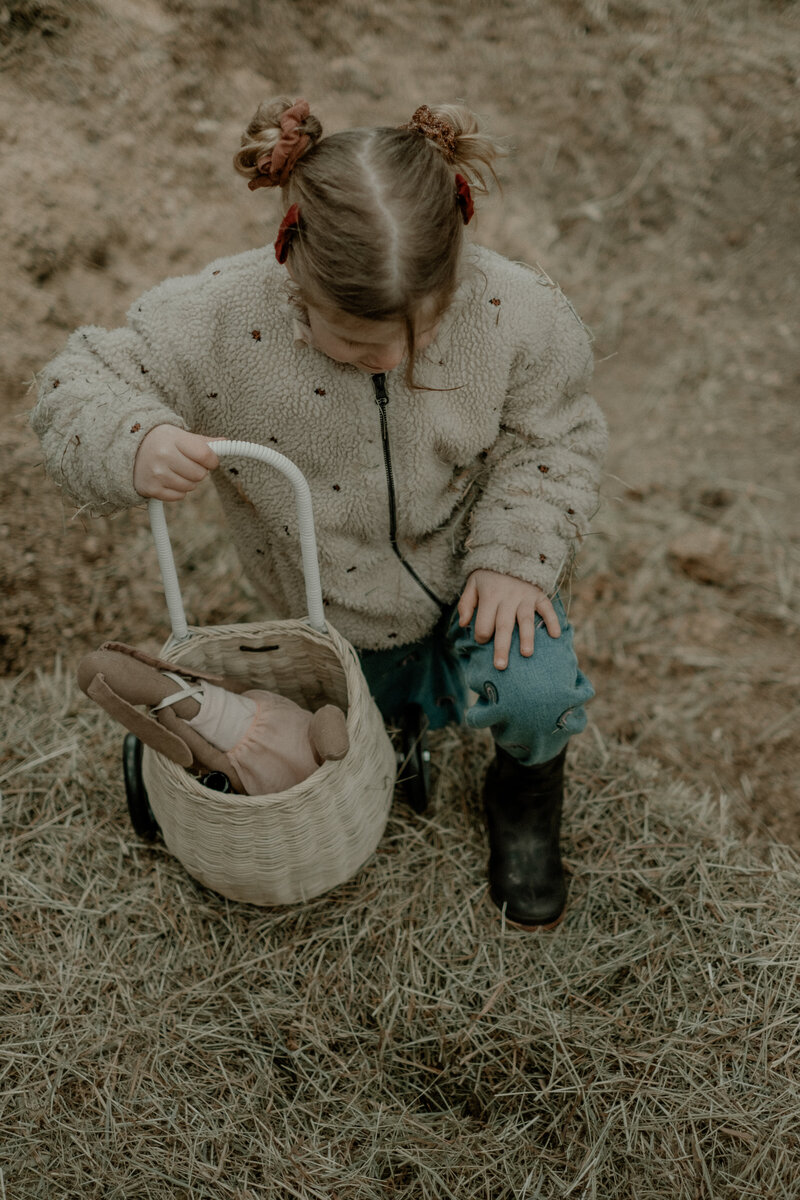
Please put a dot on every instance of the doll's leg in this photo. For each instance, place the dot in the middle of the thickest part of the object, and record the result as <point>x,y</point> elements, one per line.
<point>532,708</point>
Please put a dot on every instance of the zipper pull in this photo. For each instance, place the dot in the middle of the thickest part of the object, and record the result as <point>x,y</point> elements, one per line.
<point>381,394</point>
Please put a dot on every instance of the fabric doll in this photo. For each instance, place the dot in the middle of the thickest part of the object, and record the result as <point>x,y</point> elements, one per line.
<point>263,742</point>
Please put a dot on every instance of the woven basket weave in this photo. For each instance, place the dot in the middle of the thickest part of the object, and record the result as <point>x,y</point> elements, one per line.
<point>291,846</point>
<point>294,845</point>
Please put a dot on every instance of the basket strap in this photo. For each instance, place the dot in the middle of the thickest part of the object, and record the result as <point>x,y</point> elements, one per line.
<point>305,518</point>
<point>188,692</point>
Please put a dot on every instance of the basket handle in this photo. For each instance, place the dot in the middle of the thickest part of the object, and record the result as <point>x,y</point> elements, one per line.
<point>305,517</point>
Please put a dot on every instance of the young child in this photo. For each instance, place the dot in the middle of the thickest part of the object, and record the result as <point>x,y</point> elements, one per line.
<point>434,395</point>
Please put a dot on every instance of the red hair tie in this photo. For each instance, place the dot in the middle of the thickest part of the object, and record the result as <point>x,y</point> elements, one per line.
<point>289,227</point>
<point>275,168</point>
<point>464,199</point>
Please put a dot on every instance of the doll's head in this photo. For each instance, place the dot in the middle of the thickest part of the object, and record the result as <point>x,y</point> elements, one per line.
<point>375,221</point>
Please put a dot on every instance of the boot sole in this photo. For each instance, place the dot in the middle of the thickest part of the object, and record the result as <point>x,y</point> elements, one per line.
<point>542,927</point>
<point>528,926</point>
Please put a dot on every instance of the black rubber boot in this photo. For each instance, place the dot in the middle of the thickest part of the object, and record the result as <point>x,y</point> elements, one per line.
<point>523,814</point>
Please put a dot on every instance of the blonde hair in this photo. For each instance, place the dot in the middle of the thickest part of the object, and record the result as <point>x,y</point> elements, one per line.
<point>380,230</point>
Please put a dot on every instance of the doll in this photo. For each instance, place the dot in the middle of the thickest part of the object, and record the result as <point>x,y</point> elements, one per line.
<point>264,743</point>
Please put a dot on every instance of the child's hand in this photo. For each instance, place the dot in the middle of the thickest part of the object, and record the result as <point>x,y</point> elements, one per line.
<point>171,462</point>
<point>504,602</point>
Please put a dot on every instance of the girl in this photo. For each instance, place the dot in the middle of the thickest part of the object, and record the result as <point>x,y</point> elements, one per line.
<point>434,395</point>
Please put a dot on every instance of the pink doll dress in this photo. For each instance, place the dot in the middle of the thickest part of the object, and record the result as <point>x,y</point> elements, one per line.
<point>265,736</point>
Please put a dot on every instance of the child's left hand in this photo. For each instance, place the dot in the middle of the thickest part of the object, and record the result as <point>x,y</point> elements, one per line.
<point>504,602</point>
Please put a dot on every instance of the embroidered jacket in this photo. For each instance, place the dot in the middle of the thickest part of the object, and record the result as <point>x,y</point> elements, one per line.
<point>493,463</point>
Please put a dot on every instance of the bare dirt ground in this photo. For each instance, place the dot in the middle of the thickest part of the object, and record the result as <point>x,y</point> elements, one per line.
<point>654,176</point>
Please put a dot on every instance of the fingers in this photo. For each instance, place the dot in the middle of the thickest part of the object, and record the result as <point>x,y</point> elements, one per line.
<point>548,613</point>
<point>526,620</point>
<point>189,469</point>
<point>486,619</point>
<point>503,604</point>
<point>466,605</point>
<point>166,493</point>
<point>165,477</point>
<point>503,633</point>
<point>496,621</point>
<point>527,627</point>
<point>195,448</point>
<point>171,462</point>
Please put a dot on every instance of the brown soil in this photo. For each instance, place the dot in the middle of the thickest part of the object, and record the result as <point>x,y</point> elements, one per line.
<point>654,176</point>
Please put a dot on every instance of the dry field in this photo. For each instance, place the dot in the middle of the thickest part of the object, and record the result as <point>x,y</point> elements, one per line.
<point>394,1039</point>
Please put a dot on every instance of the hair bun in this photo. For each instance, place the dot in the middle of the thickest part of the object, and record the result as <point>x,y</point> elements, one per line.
<point>454,131</point>
<point>278,136</point>
<point>435,128</point>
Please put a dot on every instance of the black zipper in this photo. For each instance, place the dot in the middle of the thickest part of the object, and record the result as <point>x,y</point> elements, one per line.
<point>382,399</point>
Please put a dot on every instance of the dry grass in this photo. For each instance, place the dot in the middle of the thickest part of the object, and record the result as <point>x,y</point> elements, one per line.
<point>653,175</point>
<point>392,1038</point>
<point>694,661</point>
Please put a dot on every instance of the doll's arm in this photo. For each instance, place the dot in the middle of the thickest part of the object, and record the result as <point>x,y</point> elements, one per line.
<point>328,735</point>
<point>203,753</point>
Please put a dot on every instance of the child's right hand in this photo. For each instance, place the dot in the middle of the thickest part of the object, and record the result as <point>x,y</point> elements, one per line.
<point>171,462</point>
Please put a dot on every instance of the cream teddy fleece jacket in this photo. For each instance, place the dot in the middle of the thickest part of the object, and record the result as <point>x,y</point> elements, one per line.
<point>494,463</point>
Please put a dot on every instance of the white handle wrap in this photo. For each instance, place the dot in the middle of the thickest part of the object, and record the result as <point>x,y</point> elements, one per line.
<point>305,518</point>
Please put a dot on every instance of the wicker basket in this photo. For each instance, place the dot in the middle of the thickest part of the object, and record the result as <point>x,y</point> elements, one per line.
<point>291,846</point>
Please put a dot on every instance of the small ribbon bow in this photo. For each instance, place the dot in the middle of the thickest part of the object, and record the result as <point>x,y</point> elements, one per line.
<point>289,227</point>
<point>464,199</point>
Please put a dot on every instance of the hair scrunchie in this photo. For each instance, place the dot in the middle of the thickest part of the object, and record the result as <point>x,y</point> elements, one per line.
<point>275,167</point>
<point>434,128</point>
